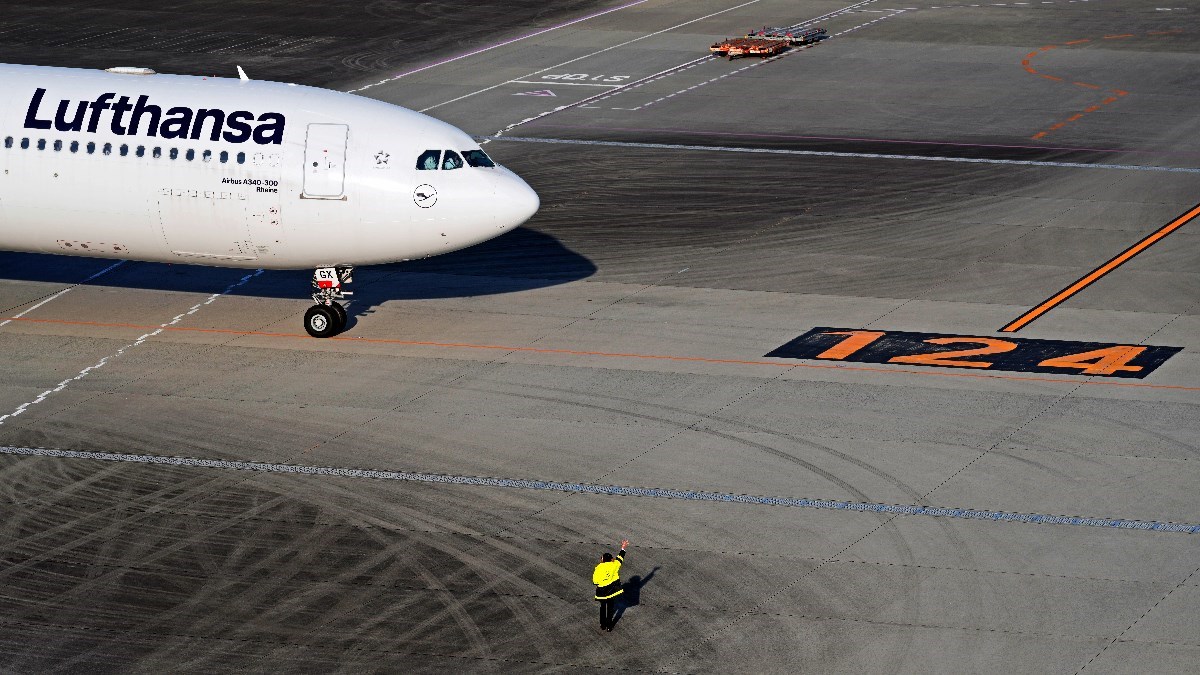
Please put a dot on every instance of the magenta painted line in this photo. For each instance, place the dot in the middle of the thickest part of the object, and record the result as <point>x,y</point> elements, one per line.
<point>502,44</point>
<point>872,140</point>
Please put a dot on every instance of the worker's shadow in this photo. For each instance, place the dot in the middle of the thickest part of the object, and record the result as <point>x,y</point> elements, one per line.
<point>632,595</point>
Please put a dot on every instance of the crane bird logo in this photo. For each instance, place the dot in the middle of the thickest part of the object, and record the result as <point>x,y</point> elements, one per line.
<point>425,195</point>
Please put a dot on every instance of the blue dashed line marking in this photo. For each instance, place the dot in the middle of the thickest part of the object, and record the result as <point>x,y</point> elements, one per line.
<point>615,490</point>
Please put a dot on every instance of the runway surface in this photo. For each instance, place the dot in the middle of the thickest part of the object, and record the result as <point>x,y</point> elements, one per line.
<point>192,484</point>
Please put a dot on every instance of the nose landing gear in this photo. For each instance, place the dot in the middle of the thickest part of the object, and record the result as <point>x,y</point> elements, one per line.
<point>327,317</point>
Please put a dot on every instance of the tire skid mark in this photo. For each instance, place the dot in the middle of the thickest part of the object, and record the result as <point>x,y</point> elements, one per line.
<point>483,578</point>
<point>1115,94</point>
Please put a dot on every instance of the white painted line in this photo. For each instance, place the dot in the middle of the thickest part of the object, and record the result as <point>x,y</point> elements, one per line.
<point>500,44</point>
<point>588,56</point>
<point>603,95</point>
<point>142,339</point>
<point>691,64</point>
<point>557,83</point>
<point>863,155</point>
<point>64,291</point>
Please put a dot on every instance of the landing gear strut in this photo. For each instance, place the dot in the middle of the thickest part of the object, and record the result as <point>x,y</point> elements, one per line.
<point>328,318</point>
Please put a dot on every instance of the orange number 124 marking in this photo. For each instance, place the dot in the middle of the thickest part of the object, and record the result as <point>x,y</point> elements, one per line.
<point>1105,361</point>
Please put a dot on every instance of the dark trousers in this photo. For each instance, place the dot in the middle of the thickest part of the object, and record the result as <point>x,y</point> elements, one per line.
<point>607,609</point>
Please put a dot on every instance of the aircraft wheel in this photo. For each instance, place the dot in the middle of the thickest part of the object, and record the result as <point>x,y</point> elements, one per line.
<point>341,316</point>
<point>321,321</point>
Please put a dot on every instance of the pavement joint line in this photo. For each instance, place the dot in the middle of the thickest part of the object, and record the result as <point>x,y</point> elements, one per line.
<point>21,409</point>
<point>632,355</point>
<point>1138,620</point>
<point>860,155</point>
<point>614,490</point>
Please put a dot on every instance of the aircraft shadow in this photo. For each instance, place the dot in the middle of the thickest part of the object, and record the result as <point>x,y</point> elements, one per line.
<point>520,260</point>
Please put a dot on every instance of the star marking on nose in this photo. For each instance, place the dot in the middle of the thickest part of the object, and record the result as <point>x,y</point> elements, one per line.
<point>381,158</point>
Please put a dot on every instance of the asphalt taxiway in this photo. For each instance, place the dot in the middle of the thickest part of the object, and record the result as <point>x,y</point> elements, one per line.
<point>193,484</point>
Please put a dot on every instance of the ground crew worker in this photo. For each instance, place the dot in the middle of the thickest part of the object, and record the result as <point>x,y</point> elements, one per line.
<point>607,577</point>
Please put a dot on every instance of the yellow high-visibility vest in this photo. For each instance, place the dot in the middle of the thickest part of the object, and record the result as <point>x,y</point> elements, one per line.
<point>607,577</point>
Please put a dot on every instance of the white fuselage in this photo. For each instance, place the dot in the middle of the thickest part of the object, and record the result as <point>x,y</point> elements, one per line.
<point>236,173</point>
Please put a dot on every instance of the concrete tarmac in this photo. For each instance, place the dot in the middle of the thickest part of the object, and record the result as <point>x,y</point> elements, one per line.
<point>431,489</point>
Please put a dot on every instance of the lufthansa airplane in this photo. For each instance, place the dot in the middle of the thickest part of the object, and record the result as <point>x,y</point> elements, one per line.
<point>126,163</point>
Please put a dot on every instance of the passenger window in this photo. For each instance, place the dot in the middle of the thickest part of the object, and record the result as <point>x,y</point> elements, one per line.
<point>24,143</point>
<point>8,142</point>
<point>91,148</point>
<point>241,157</point>
<point>190,155</point>
<point>224,156</point>
<point>74,146</point>
<point>451,160</point>
<point>428,161</point>
<point>41,144</point>
<point>174,153</point>
<point>108,148</point>
<point>206,155</point>
<point>141,151</point>
<point>478,158</point>
<point>124,149</point>
<point>157,153</point>
<point>57,146</point>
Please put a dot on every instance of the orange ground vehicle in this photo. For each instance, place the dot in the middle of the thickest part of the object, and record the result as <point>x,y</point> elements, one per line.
<point>768,41</point>
<point>755,46</point>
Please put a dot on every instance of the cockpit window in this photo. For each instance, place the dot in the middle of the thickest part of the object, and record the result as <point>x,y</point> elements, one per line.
<point>477,158</point>
<point>428,161</point>
<point>451,160</point>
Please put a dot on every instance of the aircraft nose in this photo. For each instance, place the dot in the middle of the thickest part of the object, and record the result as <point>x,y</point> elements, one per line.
<point>516,202</point>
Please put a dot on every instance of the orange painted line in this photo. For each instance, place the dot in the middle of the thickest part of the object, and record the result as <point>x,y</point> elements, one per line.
<point>1075,117</point>
<point>1058,126</point>
<point>1098,273</point>
<point>1118,92</point>
<point>621,355</point>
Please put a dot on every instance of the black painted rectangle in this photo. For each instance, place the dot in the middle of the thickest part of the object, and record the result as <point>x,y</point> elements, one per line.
<point>1028,355</point>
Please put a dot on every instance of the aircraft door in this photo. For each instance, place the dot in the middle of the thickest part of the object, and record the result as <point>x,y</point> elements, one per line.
<point>325,161</point>
<point>205,224</point>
